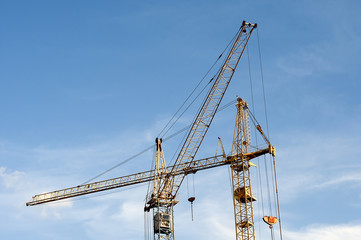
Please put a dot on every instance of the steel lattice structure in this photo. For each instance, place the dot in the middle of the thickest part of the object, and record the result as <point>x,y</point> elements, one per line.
<point>167,180</point>
<point>208,110</point>
<point>241,179</point>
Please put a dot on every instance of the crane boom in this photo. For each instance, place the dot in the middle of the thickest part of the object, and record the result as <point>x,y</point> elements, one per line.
<point>209,108</point>
<point>141,177</point>
<point>124,181</point>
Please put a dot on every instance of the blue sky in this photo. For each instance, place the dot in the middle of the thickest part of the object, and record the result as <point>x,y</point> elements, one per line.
<point>84,85</point>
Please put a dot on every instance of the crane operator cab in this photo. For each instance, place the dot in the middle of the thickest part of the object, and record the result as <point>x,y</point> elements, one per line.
<point>162,223</point>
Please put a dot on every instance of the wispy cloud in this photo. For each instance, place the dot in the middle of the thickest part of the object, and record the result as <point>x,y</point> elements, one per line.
<point>305,62</point>
<point>10,179</point>
<point>330,55</point>
<point>352,178</point>
<point>313,161</point>
<point>102,216</point>
<point>350,231</point>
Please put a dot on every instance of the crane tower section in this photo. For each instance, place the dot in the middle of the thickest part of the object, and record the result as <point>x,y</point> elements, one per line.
<point>241,179</point>
<point>162,207</point>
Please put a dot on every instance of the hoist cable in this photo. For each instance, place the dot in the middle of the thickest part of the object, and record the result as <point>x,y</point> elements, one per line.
<point>253,118</point>
<point>186,108</point>
<point>264,93</point>
<point>278,202</point>
<point>145,226</point>
<point>191,103</point>
<point>188,127</point>
<point>194,188</point>
<point>119,164</point>
<point>268,186</point>
<point>219,57</point>
<point>150,147</point>
<point>187,186</point>
<point>266,116</point>
<point>145,150</point>
<point>185,101</point>
<point>272,234</point>
<point>259,176</point>
<point>273,186</point>
<point>226,105</point>
<point>153,164</point>
<point>194,119</point>
<point>250,79</point>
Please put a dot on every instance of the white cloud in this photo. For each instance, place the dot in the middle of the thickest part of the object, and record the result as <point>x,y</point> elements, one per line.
<point>336,54</point>
<point>304,63</point>
<point>326,232</point>
<point>49,168</point>
<point>115,215</point>
<point>55,210</point>
<point>350,178</point>
<point>129,211</point>
<point>102,216</point>
<point>308,162</point>
<point>10,179</point>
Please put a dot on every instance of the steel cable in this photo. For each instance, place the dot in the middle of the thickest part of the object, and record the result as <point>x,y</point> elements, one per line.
<point>189,96</point>
<point>149,148</point>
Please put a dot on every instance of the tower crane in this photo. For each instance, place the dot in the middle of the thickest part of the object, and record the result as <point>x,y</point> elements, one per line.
<point>167,180</point>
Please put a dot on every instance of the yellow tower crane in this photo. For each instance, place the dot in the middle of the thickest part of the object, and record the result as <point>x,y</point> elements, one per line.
<point>167,180</point>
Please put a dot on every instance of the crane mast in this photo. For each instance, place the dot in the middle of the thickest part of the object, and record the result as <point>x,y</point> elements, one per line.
<point>163,219</point>
<point>241,179</point>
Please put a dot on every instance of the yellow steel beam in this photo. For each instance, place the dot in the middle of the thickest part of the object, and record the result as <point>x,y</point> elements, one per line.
<point>209,108</point>
<point>141,177</point>
<point>123,181</point>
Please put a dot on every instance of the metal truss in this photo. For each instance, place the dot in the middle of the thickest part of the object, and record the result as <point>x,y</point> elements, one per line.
<point>208,109</point>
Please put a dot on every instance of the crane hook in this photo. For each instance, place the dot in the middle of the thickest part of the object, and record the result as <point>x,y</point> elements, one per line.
<point>191,200</point>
